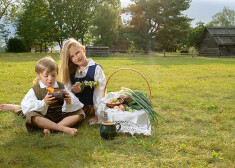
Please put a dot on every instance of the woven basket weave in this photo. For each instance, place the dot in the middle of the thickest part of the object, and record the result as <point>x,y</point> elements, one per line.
<point>130,70</point>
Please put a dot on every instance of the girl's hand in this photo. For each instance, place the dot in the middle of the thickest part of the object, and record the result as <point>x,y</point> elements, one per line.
<point>49,99</point>
<point>76,89</point>
<point>67,97</point>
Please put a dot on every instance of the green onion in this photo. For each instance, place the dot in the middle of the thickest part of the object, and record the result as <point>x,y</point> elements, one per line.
<point>141,99</point>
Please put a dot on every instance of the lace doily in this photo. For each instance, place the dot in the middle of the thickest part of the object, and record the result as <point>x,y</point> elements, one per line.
<point>131,122</point>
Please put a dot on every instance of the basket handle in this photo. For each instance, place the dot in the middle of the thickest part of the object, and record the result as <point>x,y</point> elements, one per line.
<point>131,70</point>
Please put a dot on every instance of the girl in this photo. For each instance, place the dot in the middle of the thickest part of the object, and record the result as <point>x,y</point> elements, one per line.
<point>40,107</point>
<point>75,67</point>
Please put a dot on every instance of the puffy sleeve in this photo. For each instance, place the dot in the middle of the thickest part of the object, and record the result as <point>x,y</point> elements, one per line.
<point>74,105</point>
<point>31,103</point>
<point>98,92</point>
<point>68,86</point>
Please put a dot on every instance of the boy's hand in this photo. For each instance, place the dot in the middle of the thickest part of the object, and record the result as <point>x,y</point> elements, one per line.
<point>49,99</point>
<point>76,89</point>
<point>67,97</point>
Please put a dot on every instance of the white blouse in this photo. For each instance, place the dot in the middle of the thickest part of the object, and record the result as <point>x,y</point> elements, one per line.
<point>99,76</point>
<point>31,103</point>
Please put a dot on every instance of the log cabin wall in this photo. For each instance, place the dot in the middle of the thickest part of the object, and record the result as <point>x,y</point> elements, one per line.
<point>217,42</point>
<point>208,46</point>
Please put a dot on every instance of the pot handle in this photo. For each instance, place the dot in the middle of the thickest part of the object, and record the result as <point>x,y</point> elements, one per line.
<point>119,126</point>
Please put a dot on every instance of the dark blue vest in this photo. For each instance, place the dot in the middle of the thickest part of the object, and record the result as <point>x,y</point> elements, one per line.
<point>86,96</point>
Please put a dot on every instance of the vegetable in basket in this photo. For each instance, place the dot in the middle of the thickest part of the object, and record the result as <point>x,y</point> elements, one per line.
<point>141,100</point>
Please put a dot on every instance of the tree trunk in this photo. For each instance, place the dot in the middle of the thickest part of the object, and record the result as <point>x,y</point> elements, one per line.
<point>40,46</point>
<point>82,40</point>
<point>45,47</point>
<point>60,44</point>
<point>148,46</point>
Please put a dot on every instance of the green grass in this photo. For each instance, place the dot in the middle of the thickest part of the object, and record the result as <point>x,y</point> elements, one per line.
<point>195,95</point>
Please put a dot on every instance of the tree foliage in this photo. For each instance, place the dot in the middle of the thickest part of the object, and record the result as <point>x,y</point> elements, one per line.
<point>34,24</point>
<point>195,34</point>
<point>156,21</point>
<point>43,22</point>
<point>16,45</point>
<point>153,23</point>
<point>78,18</point>
<point>106,22</point>
<point>224,18</point>
<point>8,10</point>
<point>70,18</point>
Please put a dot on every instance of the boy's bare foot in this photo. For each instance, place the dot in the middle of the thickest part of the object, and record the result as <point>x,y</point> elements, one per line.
<point>94,120</point>
<point>9,107</point>
<point>47,131</point>
<point>69,130</point>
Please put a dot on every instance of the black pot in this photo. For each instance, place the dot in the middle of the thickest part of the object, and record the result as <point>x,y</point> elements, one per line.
<point>108,130</point>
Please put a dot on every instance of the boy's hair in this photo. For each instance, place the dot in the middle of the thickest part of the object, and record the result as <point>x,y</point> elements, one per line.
<point>46,63</point>
<point>67,66</point>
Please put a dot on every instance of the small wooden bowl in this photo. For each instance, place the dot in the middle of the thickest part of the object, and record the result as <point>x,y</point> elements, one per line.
<point>110,105</point>
<point>59,95</point>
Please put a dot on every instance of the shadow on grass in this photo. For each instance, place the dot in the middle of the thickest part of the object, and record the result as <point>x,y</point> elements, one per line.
<point>23,149</point>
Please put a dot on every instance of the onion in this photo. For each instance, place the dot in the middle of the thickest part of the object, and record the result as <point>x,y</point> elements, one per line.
<point>122,107</point>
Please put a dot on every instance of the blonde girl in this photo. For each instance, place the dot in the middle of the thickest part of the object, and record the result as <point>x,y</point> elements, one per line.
<point>40,107</point>
<point>75,67</point>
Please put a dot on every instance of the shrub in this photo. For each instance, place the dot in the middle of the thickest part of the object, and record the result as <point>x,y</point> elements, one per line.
<point>16,45</point>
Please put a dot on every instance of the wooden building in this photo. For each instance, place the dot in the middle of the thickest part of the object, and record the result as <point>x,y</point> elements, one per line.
<point>93,51</point>
<point>217,42</point>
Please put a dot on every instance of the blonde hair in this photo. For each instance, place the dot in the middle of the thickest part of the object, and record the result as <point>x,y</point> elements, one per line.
<point>46,63</point>
<point>67,66</point>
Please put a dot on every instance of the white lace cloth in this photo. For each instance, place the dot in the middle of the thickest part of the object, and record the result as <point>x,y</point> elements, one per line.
<point>131,122</point>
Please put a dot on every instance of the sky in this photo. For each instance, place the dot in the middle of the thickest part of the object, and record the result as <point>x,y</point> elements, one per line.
<point>201,10</point>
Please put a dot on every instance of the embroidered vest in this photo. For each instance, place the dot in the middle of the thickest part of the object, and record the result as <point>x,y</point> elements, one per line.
<point>54,111</point>
<point>86,96</point>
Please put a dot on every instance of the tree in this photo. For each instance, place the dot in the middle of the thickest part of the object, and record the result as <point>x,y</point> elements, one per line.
<point>195,34</point>
<point>34,24</point>
<point>78,17</point>
<point>173,35</point>
<point>70,18</point>
<point>225,18</point>
<point>8,10</point>
<point>106,22</point>
<point>182,42</point>
<point>156,21</point>
<point>57,14</point>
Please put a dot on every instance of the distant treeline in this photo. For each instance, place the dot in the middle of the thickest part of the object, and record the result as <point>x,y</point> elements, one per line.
<point>153,25</point>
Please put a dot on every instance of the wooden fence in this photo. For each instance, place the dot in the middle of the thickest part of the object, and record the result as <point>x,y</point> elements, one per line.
<point>152,53</point>
<point>93,51</point>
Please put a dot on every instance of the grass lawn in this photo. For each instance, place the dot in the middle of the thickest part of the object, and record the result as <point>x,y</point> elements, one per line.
<point>195,95</point>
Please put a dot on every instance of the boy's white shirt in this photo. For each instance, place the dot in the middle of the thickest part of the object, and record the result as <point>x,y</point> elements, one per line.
<point>31,103</point>
<point>99,76</point>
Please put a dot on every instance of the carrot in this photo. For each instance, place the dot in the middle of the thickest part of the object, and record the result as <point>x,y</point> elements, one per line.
<point>50,89</point>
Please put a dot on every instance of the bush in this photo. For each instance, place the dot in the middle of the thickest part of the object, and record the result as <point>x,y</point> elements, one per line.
<point>16,45</point>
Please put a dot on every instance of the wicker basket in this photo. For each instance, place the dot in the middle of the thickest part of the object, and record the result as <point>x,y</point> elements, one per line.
<point>133,122</point>
<point>130,70</point>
